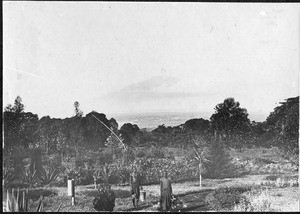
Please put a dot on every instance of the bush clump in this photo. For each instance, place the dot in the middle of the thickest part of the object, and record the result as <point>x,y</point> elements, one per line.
<point>105,200</point>
<point>140,154</point>
<point>225,197</point>
<point>271,178</point>
<point>157,153</point>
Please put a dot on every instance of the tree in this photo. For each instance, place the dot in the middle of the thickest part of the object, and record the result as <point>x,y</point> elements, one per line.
<point>78,112</point>
<point>201,154</point>
<point>19,127</point>
<point>232,122</point>
<point>76,138</point>
<point>128,131</point>
<point>18,107</point>
<point>50,136</point>
<point>199,125</point>
<point>284,126</point>
<point>219,165</point>
<point>94,132</point>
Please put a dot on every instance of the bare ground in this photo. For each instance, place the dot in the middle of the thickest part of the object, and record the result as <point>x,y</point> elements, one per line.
<point>192,196</point>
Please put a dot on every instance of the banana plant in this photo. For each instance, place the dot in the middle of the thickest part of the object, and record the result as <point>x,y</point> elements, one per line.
<point>201,156</point>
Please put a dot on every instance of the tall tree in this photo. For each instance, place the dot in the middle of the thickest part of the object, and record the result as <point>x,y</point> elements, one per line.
<point>94,132</point>
<point>284,126</point>
<point>19,126</point>
<point>219,165</point>
<point>78,112</point>
<point>19,106</point>
<point>128,131</point>
<point>232,122</point>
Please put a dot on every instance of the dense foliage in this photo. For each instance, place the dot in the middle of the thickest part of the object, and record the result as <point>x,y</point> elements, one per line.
<point>220,164</point>
<point>78,146</point>
<point>225,198</point>
<point>232,121</point>
<point>105,200</point>
<point>284,126</point>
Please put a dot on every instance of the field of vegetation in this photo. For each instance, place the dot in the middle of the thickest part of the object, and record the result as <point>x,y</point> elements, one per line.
<point>227,163</point>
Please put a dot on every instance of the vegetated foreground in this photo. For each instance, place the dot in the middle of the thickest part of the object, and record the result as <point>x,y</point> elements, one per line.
<point>193,198</point>
<point>254,165</point>
<point>263,191</point>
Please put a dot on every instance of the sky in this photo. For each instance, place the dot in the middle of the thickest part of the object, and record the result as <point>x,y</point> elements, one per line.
<point>149,57</point>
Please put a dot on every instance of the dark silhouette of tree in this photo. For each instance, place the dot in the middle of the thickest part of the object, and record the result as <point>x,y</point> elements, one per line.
<point>232,122</point>
<point>18,107</point>
<point>78,112</point>
<point>19,127</point>
<point>50,136</point>
<point>284,126</point>
<point>95,134</point>
<point>128,131</point>
<point>199,125</point>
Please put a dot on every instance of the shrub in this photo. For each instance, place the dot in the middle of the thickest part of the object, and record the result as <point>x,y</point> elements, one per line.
<point>262,161</point>
<point>225,197</point>
<point>85,177</point>
<point>124,173</point>
<point>271,177</point>
<point>48,175</point>
<point>35,194</point>
<point>254,203</point>
<point>106,156</point>
<point>114,178</point>
<point>171,155</point>
<point>157,153</point>
<point>140,154</point>
<point>29,176</point>
<point>61,181</point>
<point>105,200</point>
<point>8,175</point>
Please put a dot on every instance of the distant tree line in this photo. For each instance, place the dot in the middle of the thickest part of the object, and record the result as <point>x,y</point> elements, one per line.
<point>67,136</point>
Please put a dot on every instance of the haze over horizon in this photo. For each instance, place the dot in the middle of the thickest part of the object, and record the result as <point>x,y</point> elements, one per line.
<point>142,57</point>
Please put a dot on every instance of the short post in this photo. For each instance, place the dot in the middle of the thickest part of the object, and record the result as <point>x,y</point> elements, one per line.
<point>7,201</point>
<point>143,196</point>
<point>18,202</point>
<point>95,182</point>
<point>71,190</point>
<point>24,201</point>
<point>13,203</point>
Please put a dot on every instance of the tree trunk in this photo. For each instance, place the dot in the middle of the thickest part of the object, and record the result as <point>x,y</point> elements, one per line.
<point>200,177</point>
<point>95,183</point>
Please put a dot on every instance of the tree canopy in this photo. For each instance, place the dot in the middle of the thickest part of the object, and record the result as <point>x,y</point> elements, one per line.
<point>284,125</point>
<point>232,121</point>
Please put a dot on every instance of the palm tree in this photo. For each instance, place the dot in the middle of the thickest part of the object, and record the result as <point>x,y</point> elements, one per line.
<point>201,156</point>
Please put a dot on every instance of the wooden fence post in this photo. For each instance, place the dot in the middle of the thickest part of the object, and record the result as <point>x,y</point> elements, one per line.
<point>7,201</point>
<point>71,190</point>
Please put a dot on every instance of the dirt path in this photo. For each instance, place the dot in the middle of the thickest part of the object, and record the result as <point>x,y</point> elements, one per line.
<point>192,201</point>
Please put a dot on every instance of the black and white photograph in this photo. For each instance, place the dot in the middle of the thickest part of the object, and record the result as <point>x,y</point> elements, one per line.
<point>150,106</point>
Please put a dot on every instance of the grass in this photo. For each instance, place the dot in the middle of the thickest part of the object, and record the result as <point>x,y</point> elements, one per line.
<point>284,199</point>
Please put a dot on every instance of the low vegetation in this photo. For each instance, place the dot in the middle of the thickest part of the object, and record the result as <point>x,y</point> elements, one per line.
<point>201,156</point>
